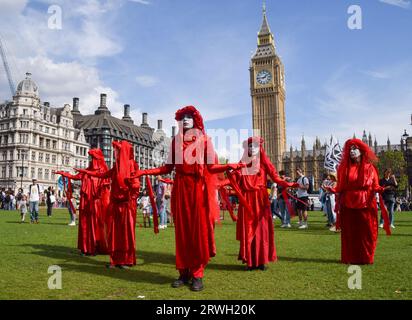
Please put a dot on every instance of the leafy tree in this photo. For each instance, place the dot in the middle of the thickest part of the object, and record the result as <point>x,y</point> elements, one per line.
<point>396,161</point>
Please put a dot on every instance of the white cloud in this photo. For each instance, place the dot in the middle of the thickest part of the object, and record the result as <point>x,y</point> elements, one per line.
<point>376,74</point>
<point>10,7</point>
<point>59,82</point>
<point>399,3</point>
<point>141,1</point>
<point>146,81</point>
<point>62,62</point>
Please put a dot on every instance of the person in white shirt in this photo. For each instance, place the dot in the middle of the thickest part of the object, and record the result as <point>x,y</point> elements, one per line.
<point>145,206</point>
<point>34,198</point>
<point>303,199</point>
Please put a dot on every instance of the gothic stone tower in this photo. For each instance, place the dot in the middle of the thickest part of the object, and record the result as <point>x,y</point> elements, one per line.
<point>267,86</point>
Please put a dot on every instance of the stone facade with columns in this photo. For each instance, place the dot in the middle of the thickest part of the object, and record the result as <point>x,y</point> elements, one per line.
<point>37,139</point>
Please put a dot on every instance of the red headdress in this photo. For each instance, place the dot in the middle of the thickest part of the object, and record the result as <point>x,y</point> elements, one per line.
<point>367,156</point>
<point>98,162</point>
<point>256,162</point>
<point>124,152</point>
<point>197,118</point>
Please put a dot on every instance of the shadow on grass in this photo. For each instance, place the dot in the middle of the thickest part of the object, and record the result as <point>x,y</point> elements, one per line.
<point>300,259</point>
<point>227,267</point>
<point>46,223</point>
<point>150,257</point>
<point>72,261</point>
<point>133,274</point>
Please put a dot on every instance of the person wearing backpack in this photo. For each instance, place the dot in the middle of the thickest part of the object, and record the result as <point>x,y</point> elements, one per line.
<point>302,203</point>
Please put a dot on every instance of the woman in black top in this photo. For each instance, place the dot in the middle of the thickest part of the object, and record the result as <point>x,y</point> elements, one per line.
<point>389,194</point>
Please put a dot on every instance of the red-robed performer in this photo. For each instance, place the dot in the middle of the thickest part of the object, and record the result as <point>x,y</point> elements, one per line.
<point>254,227</point>
<point>92,211</point>
<point>358,183</point>
<point>194,196</point>
<point>125,186</point>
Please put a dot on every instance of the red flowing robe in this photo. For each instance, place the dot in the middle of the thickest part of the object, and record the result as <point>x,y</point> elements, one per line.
<point>254,229</point>
<point>358,214</point>
<point>102,205</point>
<point>122,216</point>
<point>88,237</point>
<point>194,205</point>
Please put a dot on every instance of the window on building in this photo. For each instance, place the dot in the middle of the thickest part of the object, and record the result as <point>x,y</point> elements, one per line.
<point>10,171</point>
<point>46,129</point>
<point>54,144</point>
<point>41,155</point>
<point>67,162</point>
<point>46,174</point>
<point>3,172</point>
<point>54,158</point>
<point>33,172</point>
<point>53,130</point>
<point>41,142</point>
<point>4,155</point>
<point>47,157</point>
<point>40,174</point>
<point>40,128</point>
<point>53,176</point>
<point>48,143</point>
<point>34,138</point>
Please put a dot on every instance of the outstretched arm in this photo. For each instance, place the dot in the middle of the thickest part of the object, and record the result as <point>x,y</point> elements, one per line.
<point>220,168</point>
<point>273,174</point>
<point>166,169</point>
<point>69,175</point>
<point>106,174</point>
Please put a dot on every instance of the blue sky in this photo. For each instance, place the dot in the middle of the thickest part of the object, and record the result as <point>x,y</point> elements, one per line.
<point>158,55</point>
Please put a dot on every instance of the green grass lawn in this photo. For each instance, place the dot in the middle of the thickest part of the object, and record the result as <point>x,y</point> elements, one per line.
<point>308,265</point>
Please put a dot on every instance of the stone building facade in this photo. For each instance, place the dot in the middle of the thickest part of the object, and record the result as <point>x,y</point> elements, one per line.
<point>37,139</point>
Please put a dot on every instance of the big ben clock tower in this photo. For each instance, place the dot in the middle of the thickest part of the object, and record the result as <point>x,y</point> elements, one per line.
<point>267,86</point>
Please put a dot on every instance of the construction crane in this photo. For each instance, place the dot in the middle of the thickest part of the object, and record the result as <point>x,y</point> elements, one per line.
<point>7,69</point>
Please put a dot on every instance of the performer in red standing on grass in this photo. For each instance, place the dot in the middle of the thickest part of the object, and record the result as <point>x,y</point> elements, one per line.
<point>254,227</point>
<point>92,214</point>
<point>194,196</point>
<point>358,182</point>
<point>125,186</point>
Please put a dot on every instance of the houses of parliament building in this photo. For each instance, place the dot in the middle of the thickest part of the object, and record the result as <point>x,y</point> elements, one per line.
<point>267,87</point>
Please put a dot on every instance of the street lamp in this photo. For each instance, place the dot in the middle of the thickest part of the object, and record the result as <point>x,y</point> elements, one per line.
<point>22,169</point>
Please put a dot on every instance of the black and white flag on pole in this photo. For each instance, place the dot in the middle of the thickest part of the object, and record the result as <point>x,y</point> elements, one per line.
<point>333,155</point>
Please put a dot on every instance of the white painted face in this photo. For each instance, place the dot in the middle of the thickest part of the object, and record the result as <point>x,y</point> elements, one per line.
<point>187,121</point>
<point>354,152</point>
<point>253,149</point>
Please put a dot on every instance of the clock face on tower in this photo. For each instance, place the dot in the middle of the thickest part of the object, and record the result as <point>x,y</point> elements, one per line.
<point>263,77</point>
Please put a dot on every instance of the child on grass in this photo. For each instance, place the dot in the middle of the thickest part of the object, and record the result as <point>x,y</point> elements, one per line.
<point>23,208</point>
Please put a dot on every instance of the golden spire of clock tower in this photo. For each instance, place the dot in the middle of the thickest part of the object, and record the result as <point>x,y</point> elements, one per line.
<point>265,36</point>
